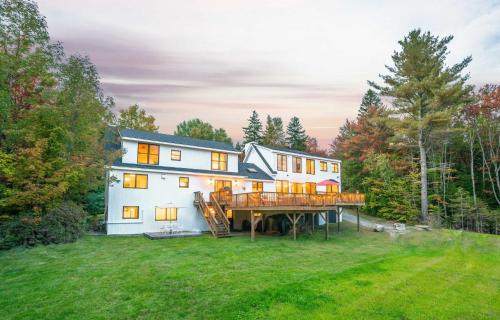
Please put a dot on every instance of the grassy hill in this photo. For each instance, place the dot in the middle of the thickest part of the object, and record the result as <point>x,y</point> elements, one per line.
<point>422,275</point>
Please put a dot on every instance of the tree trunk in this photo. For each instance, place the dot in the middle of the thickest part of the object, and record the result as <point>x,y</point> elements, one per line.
<point>473,180</point>
<point>424,206</point>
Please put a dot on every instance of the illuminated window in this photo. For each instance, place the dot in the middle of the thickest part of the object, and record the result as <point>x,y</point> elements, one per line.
<point>282,186</point>
<point>183,182</point>
<point>310,166</point>
<point>297,187</point>
<point>335,167</point>
<point>310,187</point>
<point>138,181</point>
<point>219,161</point>
<point>148,153</point>
<point>229,214</point>
<point>257,186</point>
<point>297,164</point>
<point>332,189</point>
<point>166,214</point>
<point>130,212</point>
<point>175,155</point>
<point>222,185</point>
<point>282,162</point>
<point>323,166</point>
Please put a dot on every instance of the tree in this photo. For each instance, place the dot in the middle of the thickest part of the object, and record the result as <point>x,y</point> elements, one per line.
<point>196,128</point>
<point>370,99</point>
<point>135,118</point>
<point>424,92</point>
<point>296,135</point>
<point>274,134</point>
<point>313,147</point>
<point>253,132</point>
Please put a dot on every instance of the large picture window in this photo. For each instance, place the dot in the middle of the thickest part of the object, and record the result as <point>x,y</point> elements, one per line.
<point>148,153</point>
<point>310,187</point>
<point>130,212</point>
<point>297,164</point>
<point>282,186</point>
<point>137,181</point>
<point>166,214</point>
<point>310,166</point>
<point>257,186</point>
<point>282,162</point>
<point>219,161</point>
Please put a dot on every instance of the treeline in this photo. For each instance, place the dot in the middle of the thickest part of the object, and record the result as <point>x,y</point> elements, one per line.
<point>431,155</point>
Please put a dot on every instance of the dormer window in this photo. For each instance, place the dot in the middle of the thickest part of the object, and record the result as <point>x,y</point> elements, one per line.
<point>219,161</point>
<point>148,153</point>
<point>175,155</point>
<point>281,165</point>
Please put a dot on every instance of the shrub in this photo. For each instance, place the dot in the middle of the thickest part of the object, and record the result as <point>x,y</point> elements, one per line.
<point>95,223</point>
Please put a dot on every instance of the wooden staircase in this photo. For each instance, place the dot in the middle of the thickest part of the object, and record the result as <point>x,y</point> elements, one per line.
<point>213,214</point>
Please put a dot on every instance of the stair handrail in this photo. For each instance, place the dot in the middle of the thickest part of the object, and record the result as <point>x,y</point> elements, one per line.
<point>206,212</point>
<point>219,210</point>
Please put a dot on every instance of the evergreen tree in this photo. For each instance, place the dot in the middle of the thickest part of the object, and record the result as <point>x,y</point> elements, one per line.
<point>296,135</point>
<point>425,91</point>
<point>274,135</point>
<point>370,99</point>
<point>253,132</point>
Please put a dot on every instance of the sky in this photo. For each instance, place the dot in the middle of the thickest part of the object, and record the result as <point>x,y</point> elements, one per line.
<point>219,60</point>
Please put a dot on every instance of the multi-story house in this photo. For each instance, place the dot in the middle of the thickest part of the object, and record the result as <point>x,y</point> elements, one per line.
<point>200,184</point>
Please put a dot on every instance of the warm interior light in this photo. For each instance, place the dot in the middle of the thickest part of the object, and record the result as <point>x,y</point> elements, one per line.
<point>210,181</point>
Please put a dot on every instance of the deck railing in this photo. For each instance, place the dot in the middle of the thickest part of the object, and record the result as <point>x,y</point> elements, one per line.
<point>277,199</point>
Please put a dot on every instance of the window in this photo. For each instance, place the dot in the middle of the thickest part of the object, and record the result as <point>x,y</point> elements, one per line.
<point>297,164</point>
<point>219,161</point>
<point>332,189</point>
<point>282,186</point>
<point>323,166</point>
<point>282,162</point>
<point>183,182</point>
<point>175,155</point>
<point>310,187</point>
<point>148,153</point>
<point>223,184</point>
<point>310,169</point>
<point>138,181</point>
<point>166,214</point>
<point>257,186</point>
<point>130,212</point>
<point>297,187</point>
<point>335,167</point>
<point>229,214</point>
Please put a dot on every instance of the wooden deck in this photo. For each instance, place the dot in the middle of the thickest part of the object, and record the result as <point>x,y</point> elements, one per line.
<point>276,201</point>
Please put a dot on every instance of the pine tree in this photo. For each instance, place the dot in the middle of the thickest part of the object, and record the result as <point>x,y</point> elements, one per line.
<point>370,99</point>
<point>253,132</point>
<point>296,135</point>
<point>274,135</point>
<point>425,92</point>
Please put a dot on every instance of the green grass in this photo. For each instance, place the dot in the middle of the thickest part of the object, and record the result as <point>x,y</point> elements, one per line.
<point>422,275</point>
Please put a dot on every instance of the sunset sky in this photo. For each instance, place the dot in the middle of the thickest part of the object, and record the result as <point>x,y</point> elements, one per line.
<point>218,60</point>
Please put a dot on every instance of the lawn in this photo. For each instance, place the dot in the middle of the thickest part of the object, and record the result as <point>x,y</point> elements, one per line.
<point>422,275</point>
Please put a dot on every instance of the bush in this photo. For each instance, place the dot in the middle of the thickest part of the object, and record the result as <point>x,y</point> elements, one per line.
<point>63,223</point>
<point>96,223</point>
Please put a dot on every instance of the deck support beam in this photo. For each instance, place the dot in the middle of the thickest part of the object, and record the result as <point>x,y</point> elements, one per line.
<point>338,219</point>
<point>357,215</point>
<point>252,226</point>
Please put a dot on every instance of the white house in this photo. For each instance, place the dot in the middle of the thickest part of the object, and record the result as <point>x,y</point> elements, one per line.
<point>158,178</point>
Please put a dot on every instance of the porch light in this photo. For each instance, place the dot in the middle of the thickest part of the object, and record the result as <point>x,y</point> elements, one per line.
<point>210,181</point>
<point>236,182</point>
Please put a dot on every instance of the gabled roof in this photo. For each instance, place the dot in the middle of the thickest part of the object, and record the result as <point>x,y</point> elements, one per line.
<point>292,151</point>
<point>176,140</point>
<point>252,171</point>
<point>243,170</point>
<point>263,159</point>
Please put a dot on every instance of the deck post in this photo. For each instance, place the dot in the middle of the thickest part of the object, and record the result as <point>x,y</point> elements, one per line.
<point>312,227</point>
<point>263,221</point>
<point>327,222</point>
<point>294,228</point>
<point>252,226</point>
<point>357,214</point>
<point>338,220</point>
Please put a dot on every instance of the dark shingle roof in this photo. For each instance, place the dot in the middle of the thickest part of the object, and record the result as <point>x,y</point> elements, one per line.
<point>242,170</point>
<point>303,153</point>
<point>264,159</point>
<point>252,171</point>
<point>168,138</point>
